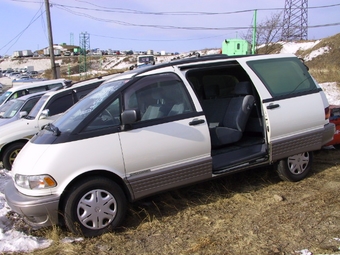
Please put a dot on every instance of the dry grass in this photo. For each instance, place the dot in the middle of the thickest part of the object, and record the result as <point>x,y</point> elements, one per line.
<point>247,213</point>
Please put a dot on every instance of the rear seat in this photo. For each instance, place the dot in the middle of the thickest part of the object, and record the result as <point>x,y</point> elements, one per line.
<point>214,107</point>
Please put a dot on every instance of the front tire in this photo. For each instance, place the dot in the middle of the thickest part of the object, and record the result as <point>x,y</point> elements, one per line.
<point>295,168</point>
<point>95,206</point>
<point>10,154</point>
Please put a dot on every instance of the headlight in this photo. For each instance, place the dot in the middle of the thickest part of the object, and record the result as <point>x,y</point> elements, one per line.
<point>35,181</point>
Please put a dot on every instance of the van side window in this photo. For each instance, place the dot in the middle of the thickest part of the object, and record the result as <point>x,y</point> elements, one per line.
<point>29,105</point>
<point>55,85</point>
<point>283,77</point>
<point>158,97</point>
<point>18,94</point>
<point>36,89</point>
<point>109,117</point>
<point>60,104</point>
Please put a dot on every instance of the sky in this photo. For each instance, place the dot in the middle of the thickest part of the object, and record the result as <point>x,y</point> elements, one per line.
<point>12,240</point>
<point>140,25</point>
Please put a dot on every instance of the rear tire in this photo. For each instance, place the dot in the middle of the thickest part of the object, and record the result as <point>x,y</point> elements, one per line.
<point>10,154</point>
<point>95,206</point>
<point>295,168</point>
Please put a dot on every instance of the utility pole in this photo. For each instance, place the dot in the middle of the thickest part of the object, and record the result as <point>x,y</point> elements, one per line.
<point>50,39</point>
<point>253,50</point>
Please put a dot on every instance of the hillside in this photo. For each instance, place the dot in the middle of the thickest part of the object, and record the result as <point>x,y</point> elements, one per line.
<point>321,56</point>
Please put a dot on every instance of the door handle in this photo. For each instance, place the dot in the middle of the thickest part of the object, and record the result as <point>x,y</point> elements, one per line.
<point>196,122</point>
<point>272,106</point>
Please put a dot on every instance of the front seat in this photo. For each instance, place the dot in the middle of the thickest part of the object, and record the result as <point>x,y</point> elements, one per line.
<point>231,128</point>
<point>158,109</point>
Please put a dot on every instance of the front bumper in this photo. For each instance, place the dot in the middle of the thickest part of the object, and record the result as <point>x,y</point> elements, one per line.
<point>36,211</point>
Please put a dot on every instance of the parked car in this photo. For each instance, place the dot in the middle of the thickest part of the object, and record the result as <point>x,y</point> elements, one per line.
<point>32,87</point>
<point>16,134</point>
<point>1,88</point>
<point>16,109</point>
<point>165,126</point>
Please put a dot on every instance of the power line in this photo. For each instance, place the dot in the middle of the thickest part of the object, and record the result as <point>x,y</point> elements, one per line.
<point>17,37</point>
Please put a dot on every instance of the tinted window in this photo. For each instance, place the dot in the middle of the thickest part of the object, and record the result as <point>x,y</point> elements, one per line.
<point>284,76</point>
<point>29,104</point>
<point>55,85</point>
<point>60,104</point>
<point>36,89</point>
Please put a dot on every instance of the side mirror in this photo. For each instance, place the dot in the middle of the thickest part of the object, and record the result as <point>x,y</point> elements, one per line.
<point>22,114</point>
<point>130,116</point>
<point>44,114</point>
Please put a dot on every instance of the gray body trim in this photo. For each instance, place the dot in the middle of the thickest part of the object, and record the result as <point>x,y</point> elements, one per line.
<point>37,211</point>
<point>148,183</point>
<point>308,141</point>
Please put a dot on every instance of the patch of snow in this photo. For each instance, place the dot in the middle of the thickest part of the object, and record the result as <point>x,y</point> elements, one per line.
<point>293,47</point>
<point>316,53</point>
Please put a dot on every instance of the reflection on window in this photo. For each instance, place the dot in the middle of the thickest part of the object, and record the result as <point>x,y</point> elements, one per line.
<point>109,117</point>
<point>158,99</point>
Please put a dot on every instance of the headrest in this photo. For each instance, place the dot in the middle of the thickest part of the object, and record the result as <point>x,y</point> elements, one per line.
<point>243,88</point>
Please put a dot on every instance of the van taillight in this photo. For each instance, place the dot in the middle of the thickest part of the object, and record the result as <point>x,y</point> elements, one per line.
<point>327,113</point>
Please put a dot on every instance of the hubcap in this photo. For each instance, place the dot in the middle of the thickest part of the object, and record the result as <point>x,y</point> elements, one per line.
<point>97,209</point>
<point>13,155</point>
<point>297,164</point>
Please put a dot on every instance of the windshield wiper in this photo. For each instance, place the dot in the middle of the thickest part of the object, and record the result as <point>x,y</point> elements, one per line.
<point>50,127</point>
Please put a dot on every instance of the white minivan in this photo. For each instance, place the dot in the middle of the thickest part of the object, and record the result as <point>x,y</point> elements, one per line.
<point>165,126</point>
<point>18,91</point>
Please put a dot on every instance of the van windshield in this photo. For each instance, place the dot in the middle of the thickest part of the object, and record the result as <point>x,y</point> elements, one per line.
<point>76,114</point>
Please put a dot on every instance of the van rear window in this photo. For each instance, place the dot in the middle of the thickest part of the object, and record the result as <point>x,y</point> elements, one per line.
<point>284,76</point>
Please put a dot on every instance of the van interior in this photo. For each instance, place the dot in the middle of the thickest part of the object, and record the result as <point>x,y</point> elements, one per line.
<point>233,110</point>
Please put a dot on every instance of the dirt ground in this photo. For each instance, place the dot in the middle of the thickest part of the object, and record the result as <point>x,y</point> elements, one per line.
<point>253,212</point>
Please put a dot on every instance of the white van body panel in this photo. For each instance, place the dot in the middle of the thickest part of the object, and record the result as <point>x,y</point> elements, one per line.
<point>160,146</point>
<point>99,153</point>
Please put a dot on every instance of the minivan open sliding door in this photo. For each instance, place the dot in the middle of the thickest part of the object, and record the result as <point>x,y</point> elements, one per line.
<point>291,104</point>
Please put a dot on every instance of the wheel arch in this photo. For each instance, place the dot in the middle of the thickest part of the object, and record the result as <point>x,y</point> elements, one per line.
<point>100,173</point>
<point>3,149</point>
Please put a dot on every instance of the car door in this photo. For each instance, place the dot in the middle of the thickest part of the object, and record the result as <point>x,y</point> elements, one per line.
<point>292,104</point>
<point>169,146</point>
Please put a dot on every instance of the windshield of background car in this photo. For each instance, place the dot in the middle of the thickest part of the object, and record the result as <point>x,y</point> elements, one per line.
<point>11,108</point>
<point>4,96</point>
<point>283,77</point>
<point>76,114</point>
<point>145,59</point>
<point>35,110</point>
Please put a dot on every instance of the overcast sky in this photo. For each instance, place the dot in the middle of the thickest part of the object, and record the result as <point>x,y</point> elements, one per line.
<point>170,25</point>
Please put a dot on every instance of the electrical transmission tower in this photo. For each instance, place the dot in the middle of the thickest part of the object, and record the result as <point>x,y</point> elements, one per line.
<point>295,20</point>
<point>84,43</point>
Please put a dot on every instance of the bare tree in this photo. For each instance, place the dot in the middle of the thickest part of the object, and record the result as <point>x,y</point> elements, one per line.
<point>268,33</point>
